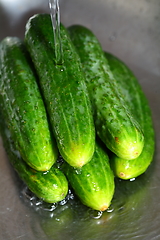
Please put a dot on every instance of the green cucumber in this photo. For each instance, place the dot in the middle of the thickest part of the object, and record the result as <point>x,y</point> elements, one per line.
<point>139,106</point>
<point>51,186</point>
<point>23,107</point>
<point>94,182</point>
<point>64,90</point>
<point>114,123</point>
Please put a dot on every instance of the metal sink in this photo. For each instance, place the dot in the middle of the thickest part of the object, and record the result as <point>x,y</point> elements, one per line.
<point>131,31</point>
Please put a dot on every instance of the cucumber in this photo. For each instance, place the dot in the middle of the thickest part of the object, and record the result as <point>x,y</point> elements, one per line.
<point>64,90</point>
<point>51,186</point>
<point>23,107</point>
<point>114,123</point>
<point>139,106</point>
<point>94,182</point>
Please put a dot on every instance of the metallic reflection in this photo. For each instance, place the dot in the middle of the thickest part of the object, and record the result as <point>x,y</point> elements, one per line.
<point>16,8</point>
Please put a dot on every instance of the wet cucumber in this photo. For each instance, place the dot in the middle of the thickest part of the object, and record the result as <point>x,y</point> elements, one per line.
<point>114,123</point>
<point>64,90</point>
<point>23,107</point>
<point>139,106</point>
<point>51,186</point>
<point>94,182</point>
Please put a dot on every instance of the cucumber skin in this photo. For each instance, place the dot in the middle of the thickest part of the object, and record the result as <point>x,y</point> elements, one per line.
<point>23,107</point>
<point>94,182</point>
<point>51,186</point>
<point>64,90</point>
<point>139,106</point>
<point>114,124</point>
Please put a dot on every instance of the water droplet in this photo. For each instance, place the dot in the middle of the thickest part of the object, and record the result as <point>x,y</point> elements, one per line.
<point>39,202</point>
<point>132,179</point>
<point>51,215</point>
<point>78,171</point>
<point>49,207</point>
<point>95,214</point>
<point>110,209</point>
<point>70,195</point>
<point>44,173</point>
<point>63,202</point>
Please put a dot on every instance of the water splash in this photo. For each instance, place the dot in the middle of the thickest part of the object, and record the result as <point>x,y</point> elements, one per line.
<point>39,205</point>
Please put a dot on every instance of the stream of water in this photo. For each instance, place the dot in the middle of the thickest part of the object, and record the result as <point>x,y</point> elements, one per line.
<point>55,17</point>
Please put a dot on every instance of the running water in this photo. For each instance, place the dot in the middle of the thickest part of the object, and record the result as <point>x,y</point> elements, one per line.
<point>55,17</point>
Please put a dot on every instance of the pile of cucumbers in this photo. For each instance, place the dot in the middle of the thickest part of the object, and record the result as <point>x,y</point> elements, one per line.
<point>90,110</point>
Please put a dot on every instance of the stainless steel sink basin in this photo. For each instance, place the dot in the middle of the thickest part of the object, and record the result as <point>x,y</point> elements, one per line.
<point>131,31</point>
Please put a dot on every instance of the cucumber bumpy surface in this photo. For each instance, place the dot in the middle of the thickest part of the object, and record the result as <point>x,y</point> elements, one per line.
<point>64,90</point>
<point>23,107</point>
<point>94,182</point>
<point>115,125</point>
<point>51,186</point>
<point>139,106</point>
